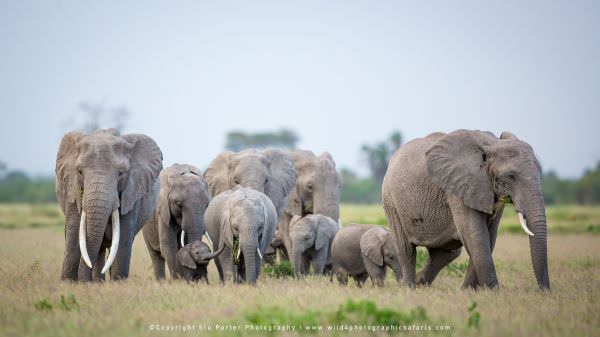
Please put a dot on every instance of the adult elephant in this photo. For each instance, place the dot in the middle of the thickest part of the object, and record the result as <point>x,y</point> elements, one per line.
<point>182,201</point>
<point>106,184</point>
<point>243,220</point>
<point>317,191</point>
<point>268,171</point>
<point>449,190</point>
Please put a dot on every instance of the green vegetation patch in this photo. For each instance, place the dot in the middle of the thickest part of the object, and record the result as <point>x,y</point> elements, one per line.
<point>282,269</point>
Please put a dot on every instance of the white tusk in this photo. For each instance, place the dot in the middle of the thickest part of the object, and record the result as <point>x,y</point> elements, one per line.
<point>209,241</point>
<point>82,242</point>
<point>524,224</point>
<point>182,238</point>
<point>259,254</point>
<point>238,254</point>
<point>114,246</point>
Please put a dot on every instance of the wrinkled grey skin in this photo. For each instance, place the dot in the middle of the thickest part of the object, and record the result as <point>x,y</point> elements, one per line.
<point>311,238</point>
<point>246,215</point>
<point>379,250</point>
<point>317,191</point>
<point>268,171</point>
<point>359,251</point>
<point>192,261</point>
<point>446,190</point>
<point>181,204</point>
<point>104,171</point>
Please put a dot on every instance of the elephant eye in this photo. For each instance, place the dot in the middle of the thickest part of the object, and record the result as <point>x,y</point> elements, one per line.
<point>236,180</point>
<point>309,186</point>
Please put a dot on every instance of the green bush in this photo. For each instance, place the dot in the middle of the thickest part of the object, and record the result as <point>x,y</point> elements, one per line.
<point>281,269</point>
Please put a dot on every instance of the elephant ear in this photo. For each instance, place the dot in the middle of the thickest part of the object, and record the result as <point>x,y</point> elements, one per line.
<point>68,187</point>
<point>371,246</point>
<point>217,174</point>
<point>145,165</point>
<point>326,229</point>
<point>508,135</point>
<point>269,225</point>
<point>282,178</point>
<point>458,164</point>
<point>226,231</point>
<point>163,208</point>
<point>186,259</point>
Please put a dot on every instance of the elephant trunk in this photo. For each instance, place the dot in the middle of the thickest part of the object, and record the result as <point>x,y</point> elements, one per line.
<point>192,223</point>
<point>100,200</point>
<point>536,221</point>
<point>249,251</point>
<point>297,258</point>
<point>397,270</point>
<point>328,204</point>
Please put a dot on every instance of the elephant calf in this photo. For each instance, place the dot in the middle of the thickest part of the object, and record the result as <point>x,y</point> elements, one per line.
<point>192,261</point>
<point>311,238</point>
<point>362,251</point>
<point>179,215</point>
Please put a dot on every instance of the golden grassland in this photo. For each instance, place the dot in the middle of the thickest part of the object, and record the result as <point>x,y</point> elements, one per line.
<point>36,303</point>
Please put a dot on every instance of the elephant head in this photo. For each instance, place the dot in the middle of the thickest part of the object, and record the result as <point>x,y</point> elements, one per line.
<point>197,253</point>
<point>483,171</point>
<point>268,171</point>
<point>379,247</point>
<point>317,189</point>
<point>249,218</point>
<point>312,231</point>
<point>183,199</point>
<point>104,174</point>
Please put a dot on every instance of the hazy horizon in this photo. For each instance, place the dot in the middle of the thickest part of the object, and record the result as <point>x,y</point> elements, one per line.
<point>339,73</point>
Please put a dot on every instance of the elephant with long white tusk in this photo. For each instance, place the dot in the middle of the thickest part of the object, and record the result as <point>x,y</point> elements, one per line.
<point>179,216</point>
<point>104,181</point>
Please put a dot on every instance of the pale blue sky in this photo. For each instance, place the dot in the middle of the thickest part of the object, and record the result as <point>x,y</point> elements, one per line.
<point>338,72</point>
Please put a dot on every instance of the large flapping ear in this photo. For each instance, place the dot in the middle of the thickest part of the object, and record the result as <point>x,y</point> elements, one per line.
<point>186,259</point>
<point>68,187</point>
<point>326,229</point>
<point>269,224</point>
<point>282,178</point>
<point>217,174</point>
<point>145,165</point>
<point>371,245</point>
<point>458,164</point>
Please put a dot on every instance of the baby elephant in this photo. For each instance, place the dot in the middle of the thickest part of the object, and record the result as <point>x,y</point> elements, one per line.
<point>311,238</point>
<point>192,261</point>
<point>362,251</point>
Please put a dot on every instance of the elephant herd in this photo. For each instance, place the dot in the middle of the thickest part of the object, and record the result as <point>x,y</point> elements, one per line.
<point>441,192</point>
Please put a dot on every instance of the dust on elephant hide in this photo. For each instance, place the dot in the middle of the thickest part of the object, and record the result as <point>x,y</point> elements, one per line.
<point>106,185</point>
<point>179,216</point>
<point>448,190</point>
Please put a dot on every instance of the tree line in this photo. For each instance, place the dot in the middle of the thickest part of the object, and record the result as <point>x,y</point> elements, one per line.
<point>18,187</point>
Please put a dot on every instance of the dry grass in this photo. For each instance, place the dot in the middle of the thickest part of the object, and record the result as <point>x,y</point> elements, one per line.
<point>31,260</point>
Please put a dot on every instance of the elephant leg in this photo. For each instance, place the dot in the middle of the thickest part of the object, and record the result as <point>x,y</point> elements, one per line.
<point>320,261</point>
<point>225,266</point>
<point>305,265</point>
<point>360,279</point>
<point>120,268</point>
<point>438,259</point>
<point>72,254</point>
<point>168,249</point>
<point>471,280</point>
<point>96,275</point>
<point>407,252</point>
<point>341,275</point>
<point>158,264</point>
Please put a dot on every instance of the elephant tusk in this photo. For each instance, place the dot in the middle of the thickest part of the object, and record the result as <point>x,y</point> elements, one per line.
<point>524,224</point>
<point>259,254</point>
<point>209,241</point>
<point>114,246</point>
<point>82,242</point>
<point>238,254</point>
<point>182,238</point>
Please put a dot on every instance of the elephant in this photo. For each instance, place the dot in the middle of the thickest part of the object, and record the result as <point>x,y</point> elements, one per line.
<point>243,220</point>
<point>106,185</point>
<point>179,213</point>
<point>446,191</point>
<point>361,251</point>
<point>192,261</point>
<point>317,191</point>
<point>269,171</point>
<point>311,238</point>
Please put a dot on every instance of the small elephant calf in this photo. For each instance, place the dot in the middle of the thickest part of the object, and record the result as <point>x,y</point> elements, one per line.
<point>362,251</point>
<point>311,238</point>
<point>192,261</point>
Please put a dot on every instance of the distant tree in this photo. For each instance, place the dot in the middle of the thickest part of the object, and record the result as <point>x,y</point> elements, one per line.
<point>377,156</point>
<point>358,190</point>
<point>96,115</point>
<point>238,140</point>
